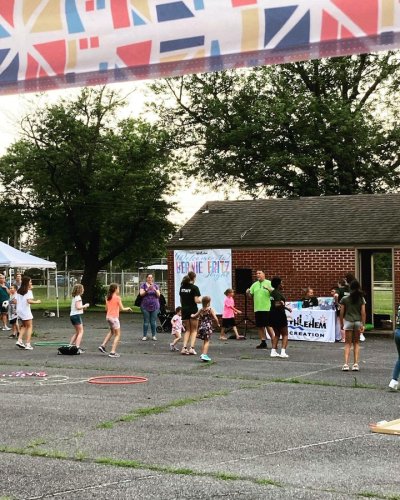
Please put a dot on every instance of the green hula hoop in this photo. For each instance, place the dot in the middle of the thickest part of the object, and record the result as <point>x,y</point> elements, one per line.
<point>49,343</point>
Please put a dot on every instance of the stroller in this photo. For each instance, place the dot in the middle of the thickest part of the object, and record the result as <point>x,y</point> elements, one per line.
<point>165,317</point>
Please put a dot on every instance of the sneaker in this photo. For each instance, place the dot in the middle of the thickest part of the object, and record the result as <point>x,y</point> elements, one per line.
<point>345,368</point>
<point>144,339</point>
<point>274,354</point>
<point>20,344</point>
<point>192,351</point>
<point>102,349</point>
<point>172,347</point>
<point>355,367</point>
<point>205,357</point>
<point>393,385</point>
<point>262,345</point>
<point>81,351</point>
<point>12,336</point>
<point>284,355</point>
<point>114,355</point>
<point>362,338</point>
<point>6,328</point>
<point>28,347</point>
<point>184,350</point>
<point>154,338</point>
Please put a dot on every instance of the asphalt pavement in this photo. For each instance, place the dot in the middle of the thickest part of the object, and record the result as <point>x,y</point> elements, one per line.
<point>244,426</point>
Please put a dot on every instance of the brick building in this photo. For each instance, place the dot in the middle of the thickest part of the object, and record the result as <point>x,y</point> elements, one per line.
<point>307,241</point>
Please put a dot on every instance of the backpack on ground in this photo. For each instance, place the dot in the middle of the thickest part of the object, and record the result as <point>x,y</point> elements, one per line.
<point>69,350</point>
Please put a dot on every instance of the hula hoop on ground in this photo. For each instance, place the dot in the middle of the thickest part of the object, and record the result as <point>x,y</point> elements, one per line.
<point>49,343</point>
<point>117,380</point>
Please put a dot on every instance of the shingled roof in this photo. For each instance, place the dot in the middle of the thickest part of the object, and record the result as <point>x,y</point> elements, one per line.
<point>333,221</point>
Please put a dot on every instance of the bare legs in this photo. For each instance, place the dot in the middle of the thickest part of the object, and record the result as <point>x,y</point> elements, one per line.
<point>352,338</point>
<point>280,332</point>
<point>116,333</point>
<point>206,345</point>
<point>76,338</point>
<point>25,330</point>
<point>189,338</point>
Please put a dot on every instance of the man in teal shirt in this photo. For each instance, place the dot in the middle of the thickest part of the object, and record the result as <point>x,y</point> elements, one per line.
<point>260,291</point>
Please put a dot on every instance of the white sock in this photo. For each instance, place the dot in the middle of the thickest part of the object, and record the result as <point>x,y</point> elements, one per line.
<point>283,351</point>
<point>273,351</point>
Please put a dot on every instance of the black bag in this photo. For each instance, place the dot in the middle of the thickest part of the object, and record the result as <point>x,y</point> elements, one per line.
<point>138,300</point>
<point>70,350</point>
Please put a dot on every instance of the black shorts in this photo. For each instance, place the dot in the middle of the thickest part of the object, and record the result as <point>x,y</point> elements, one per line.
<point>278,319</point>
<point>188,314</point>
<point>228,322</point>
<point>13,321</point>
<point>3,310</point>
<point>262,318</point>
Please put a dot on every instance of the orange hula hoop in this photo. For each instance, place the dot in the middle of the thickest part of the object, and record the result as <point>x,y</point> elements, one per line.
<point>117,380</point>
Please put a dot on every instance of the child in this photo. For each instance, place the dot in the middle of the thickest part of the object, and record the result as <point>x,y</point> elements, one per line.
<point>206,315</point>
<point>352,321</point>
<point>12,312</point>
<point>76,316</point>
<point>228,315</point>
<point>339,334</point>
<point>24,301</point>
<point>177,328</point>
<point>278,319</point>
<point>113,307</point>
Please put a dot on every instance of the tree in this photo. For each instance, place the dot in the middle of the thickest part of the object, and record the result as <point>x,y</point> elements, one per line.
<point>90,184</point>
<point>322,127</point>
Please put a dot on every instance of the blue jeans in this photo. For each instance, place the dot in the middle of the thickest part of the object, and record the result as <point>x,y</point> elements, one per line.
<point>396,371</point>
<point>149,318</point>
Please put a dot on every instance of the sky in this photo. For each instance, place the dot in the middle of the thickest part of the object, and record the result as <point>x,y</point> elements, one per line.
<point>14,107</point>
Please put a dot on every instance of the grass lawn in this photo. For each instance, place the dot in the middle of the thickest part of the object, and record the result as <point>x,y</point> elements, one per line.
<point>383,302</point>
<point>65,304</point>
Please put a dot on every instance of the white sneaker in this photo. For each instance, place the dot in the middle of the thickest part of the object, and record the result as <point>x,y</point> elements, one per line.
<point>20,344</point>
<point>154,338</point>
<point>6,328</point>
<point>274,354</point>
<point>28,347</point>
<point>284,355</point>
<point>144,338</point>
<point>362,338</point>
<point>393,385</point>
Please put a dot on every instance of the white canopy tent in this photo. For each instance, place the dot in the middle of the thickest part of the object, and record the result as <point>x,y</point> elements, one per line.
<point>12,258</point>
<point>156,267</point>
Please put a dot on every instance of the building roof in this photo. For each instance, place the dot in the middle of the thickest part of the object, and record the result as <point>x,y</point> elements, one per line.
<point>333,221</point>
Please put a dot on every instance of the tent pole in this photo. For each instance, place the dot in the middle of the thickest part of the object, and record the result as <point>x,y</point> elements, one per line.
<point>58,305</point>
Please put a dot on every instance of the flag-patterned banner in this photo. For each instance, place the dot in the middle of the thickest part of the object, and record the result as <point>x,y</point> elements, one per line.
<point>59,43</point>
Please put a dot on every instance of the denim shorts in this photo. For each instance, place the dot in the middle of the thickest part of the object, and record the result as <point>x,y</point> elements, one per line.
<point>76,319</point>
<point>352,326</point>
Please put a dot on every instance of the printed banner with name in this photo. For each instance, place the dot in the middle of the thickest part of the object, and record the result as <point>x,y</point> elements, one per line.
<point>63,43</point>
<point>312,324</point>
<point>213,270</point>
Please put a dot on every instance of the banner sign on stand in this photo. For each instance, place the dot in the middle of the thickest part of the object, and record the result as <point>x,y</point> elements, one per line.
<point>312,325</point>
<point>213,270</point>
<point>47,44</point>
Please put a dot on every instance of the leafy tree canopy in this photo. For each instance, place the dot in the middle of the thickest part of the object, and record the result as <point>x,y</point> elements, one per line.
<point>322,127</point>
<point>90,184</point>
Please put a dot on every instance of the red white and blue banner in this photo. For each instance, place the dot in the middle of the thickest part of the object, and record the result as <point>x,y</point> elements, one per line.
<point>48,44</point>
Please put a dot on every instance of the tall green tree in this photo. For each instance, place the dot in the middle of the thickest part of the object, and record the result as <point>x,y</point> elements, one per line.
<point>322,127</point>
<point>90,184</point>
